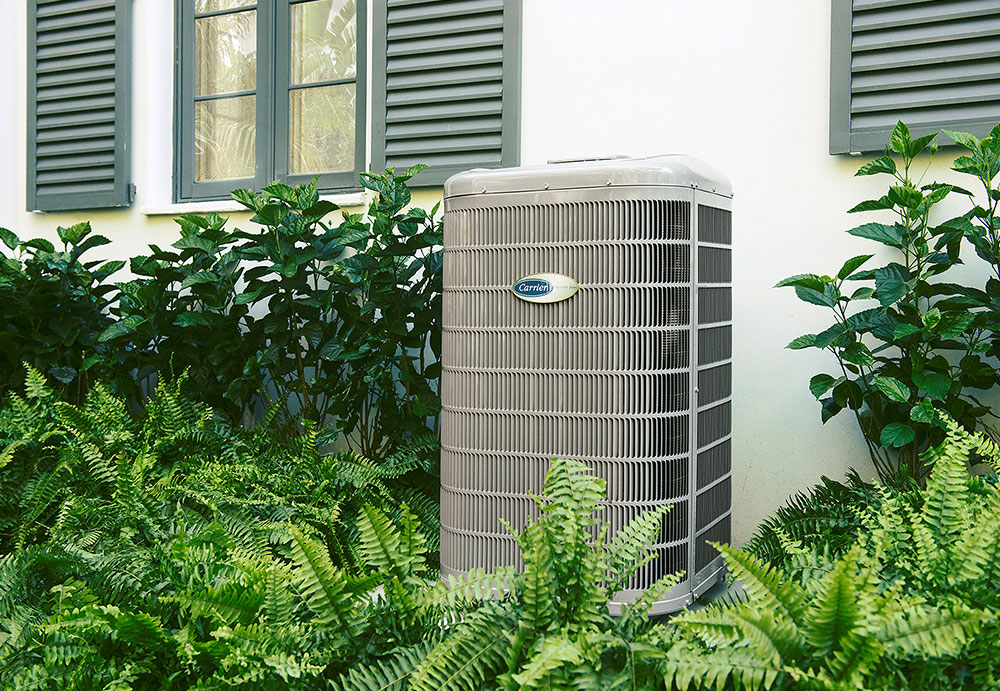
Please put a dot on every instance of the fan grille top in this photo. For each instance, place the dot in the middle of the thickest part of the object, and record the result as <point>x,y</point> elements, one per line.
<point>618,376</point>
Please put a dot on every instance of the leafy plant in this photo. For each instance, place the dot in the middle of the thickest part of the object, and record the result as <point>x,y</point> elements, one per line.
<point>845,621</point>
<point>553,629</point>
<point>53,304</point>
<point>338,325</point>
<point>919,348</point>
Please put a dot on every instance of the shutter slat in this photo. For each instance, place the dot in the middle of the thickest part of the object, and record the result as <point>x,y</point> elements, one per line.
<point>441,111</point>
<point>449,25</point>
<point>896,15</point>
<point>894,101</point>
<point>445,44</point>
<point>445,96</point>
<point>472,74</point>
<point>78,104</point>
<point>922,35</point>
<point>924,75</point>
<point>439,94</point>
<point>401,13</point>
<point>418,130</point>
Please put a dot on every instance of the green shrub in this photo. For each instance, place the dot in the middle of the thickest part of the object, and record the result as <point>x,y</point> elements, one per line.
<point>908,603</point>
<point>333,324</point>
<point>920,347</point>
<point>53,307</point>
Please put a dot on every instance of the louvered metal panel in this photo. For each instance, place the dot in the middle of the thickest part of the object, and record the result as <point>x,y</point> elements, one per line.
<point>617,377</point>
<point>78,104</point>
<point>446,83</point>
<point>934,65</point>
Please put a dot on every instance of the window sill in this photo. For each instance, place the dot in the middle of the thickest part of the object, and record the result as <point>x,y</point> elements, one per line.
<point>347,199</point>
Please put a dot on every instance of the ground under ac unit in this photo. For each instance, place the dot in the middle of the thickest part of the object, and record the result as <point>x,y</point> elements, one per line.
<point>587,315</point>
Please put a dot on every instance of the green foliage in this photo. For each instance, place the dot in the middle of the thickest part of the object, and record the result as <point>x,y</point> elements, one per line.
<point>54,305</point>
<point>938,545</point>
<point>552,627</point>
<point>839,628</point>
<point>907,343</point>
<point>333,324</point>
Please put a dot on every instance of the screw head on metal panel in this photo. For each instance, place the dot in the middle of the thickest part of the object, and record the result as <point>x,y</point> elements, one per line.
<point>608,183</point>
<point>545,186</point>
<point>484,190</point>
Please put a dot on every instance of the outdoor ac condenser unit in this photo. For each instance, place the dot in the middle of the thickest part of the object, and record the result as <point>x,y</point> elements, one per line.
<point>587,315</point>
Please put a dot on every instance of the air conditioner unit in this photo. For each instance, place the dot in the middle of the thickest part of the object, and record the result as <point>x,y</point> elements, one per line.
<point>587,315</point>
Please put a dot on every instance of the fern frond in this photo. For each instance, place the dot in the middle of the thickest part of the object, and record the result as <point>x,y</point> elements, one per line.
<point>687,667</point>
<point>324,587</point>
<point>471,654</point>
<point>833,611</point>
<point>552,652</point>
<point>630,547</point>
<point>475,585</point>
<point>918,630</point>
<point>380,542</point>
<point>388,674</point>
<point>765,584</point>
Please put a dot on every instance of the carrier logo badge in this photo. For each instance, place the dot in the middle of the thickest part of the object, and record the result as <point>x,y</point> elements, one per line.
<point>545,287</point>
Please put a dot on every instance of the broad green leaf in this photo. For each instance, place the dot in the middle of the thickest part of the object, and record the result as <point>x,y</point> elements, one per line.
<point>63,374</point>
<point>919,144</point>
<point>954,324</point>
<point>899,138</point>
<point>904,330</point>
<point>820,384</point>
<point>863,293</point>
<point>935,385</point>
<point>9,238</point>
<point>923,412</point>
<point>880,204</point>
<point>908,197</point>
<point>803,341</point>
<point>199,277</point>
<point>882,164</point>
<point>890,284</point>
<point>121,328</point>
<point>195,242</point>
<point>931,318</point>
<point>963,139</point>
<point>814,296</point>
<point>894,389</point>
<point>879,232</point>
<point>852,265</point>
<point>813,281</point>
<point>830,336</point>
<point>857,353</point>
<point>896,434</point>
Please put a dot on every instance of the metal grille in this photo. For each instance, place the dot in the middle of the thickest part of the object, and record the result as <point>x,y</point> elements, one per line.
<point>704,552</point>
<point>605,377</point>
<point>714,423</point>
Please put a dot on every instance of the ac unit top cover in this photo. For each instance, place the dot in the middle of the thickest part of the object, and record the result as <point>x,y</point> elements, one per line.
<point>670,170</point>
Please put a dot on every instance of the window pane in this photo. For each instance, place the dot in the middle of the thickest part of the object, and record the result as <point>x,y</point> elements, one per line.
<point>324,37</point>
<point>224,138</point>
<point>226,53</point>
<point>214,5</point>
<point>321,129</point>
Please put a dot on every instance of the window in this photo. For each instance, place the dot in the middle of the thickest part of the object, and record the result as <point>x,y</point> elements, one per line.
<point>933,65</point>
<point>268,90</point>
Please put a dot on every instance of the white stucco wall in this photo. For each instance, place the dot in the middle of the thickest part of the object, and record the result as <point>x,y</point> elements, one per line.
<point>742,85</point>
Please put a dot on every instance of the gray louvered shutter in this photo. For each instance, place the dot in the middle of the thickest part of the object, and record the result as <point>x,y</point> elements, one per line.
<point>446,85</point>
<point>933,65</point>
<point>79,104</point>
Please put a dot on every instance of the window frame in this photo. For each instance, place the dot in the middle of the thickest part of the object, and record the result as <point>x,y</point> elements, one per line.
<point>272,107</point>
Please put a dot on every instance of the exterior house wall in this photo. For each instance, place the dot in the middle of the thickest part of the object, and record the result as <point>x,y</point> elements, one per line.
<point>742,85</point>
